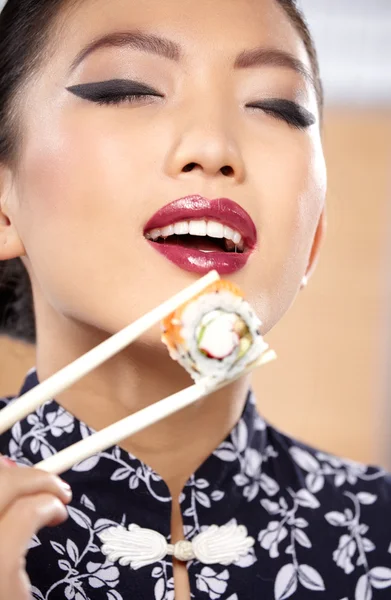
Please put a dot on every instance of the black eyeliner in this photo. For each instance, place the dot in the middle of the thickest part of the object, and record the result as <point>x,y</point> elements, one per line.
<point>115,90</point>
<point>97,91</point>
<point>292,113</point>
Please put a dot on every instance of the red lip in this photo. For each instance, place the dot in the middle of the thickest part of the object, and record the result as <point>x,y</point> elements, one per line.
<point>221,210</point>
<point>200,262</point>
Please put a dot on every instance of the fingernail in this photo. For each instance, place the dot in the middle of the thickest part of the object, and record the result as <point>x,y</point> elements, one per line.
<point>65,486</point>
<point>7,462</point>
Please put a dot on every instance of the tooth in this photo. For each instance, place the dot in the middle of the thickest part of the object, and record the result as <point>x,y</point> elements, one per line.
<point>197,227</point>
<point>228,232</point>
<point>154,234</point>
<point>229,245</point>
<point>167,231</point>
<point>181,228</point>
<point>241,246</point>
<point>237,238</point>
<point>214,229</point>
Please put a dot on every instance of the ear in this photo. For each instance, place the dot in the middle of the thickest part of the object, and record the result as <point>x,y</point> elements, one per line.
<point>317,243</point>
<point>11,245</point>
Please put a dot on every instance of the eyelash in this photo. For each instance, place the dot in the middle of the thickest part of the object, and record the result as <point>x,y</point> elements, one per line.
<point>117,92</point>
<point>293,114</point>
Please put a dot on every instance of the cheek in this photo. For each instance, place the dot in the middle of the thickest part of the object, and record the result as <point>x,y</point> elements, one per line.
<point>79,161</point>
<point>292,181</point>
<point>80,209</point>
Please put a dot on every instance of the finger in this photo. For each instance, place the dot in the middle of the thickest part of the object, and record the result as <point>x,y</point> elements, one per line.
<point>21,481</point>
<point>7,462</point>
<point>17,526</point>
<point>24,518</point>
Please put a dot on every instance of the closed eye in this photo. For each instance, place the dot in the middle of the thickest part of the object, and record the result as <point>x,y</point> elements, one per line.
<point>114,91</point>
<point>118,91</point>
<point>295,115</point>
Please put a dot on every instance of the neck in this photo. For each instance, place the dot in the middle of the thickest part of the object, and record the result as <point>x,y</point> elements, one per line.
<point>138,376</point>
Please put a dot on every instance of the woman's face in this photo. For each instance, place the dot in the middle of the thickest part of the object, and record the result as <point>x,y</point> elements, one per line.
<point>91,175</point>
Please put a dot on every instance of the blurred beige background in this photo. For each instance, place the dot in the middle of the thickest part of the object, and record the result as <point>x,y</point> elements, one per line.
<point>329,384</point>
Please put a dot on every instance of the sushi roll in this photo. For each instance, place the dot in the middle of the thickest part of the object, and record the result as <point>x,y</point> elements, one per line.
<point>215,335</point>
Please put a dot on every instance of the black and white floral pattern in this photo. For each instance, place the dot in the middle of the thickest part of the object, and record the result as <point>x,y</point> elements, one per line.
<point>322,525</point>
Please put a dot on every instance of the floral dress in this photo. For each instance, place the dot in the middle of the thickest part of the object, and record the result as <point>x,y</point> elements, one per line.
<point>321,526</point>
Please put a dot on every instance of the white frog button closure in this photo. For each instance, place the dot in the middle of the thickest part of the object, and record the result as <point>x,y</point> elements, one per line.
<point>139,547</point>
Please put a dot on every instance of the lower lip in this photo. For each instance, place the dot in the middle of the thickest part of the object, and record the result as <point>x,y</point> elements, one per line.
<point>196,261</point>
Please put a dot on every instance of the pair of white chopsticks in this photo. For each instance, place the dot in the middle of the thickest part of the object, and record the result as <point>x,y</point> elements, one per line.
<point>115,433</point>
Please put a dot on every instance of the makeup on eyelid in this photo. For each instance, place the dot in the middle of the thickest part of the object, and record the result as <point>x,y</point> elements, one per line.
<point>118,91</point>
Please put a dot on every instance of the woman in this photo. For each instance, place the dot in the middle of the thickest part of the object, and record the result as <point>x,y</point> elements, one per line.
<point>129,131</point>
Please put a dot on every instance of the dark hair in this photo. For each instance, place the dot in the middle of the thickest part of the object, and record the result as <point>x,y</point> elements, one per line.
<point>26,30</point>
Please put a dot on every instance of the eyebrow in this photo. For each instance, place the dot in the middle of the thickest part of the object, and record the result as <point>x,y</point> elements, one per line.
<point>132,39</point>
<point>147,42</point>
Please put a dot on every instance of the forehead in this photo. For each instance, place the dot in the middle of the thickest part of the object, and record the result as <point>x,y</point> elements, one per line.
<point>207,28</point>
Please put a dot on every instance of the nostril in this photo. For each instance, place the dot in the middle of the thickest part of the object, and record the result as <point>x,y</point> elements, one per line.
<point>189,167</point>
<point>228,171</point>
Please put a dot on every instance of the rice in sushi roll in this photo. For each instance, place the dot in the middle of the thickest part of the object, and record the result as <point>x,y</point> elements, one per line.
<point>215,335</point>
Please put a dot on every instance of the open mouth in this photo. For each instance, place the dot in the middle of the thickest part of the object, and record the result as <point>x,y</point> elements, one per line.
<point>199,235</point>
<point>204,235</point>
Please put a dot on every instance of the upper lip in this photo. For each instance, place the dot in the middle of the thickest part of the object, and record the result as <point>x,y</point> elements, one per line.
<point>195,207</point>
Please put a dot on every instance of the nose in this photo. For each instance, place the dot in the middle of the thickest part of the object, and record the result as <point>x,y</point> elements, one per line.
<point>204,144</point>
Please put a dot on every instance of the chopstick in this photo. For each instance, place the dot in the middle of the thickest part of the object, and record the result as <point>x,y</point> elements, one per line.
<point>63,379</point>
<point>115,433</point>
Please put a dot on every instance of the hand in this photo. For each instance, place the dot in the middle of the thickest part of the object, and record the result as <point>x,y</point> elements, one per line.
<point>29,500</point>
